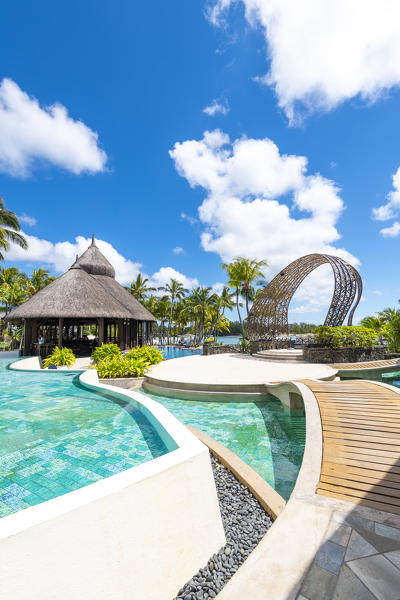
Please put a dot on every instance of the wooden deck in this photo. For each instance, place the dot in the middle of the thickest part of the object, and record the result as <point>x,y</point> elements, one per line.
<point>361,443</point>
<point>374,364</point>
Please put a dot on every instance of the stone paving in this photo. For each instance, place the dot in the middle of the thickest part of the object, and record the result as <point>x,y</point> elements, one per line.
<point>358,560</point>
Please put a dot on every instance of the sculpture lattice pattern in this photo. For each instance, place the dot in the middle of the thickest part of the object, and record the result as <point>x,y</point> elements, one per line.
<point>269,314</point>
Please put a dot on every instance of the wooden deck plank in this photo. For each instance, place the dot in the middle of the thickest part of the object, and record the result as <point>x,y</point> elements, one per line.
<point>361,442</point>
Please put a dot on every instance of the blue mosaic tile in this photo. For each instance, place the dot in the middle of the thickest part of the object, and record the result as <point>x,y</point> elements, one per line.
<point>56,437</point>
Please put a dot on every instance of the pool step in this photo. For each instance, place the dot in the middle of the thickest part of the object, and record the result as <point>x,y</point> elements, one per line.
<point>281,355</point>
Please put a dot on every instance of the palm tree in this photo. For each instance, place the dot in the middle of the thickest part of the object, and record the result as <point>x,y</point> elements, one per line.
<point>252,270</point>
<point>175,291</point>
<point>373,322</point>
<point>235,282</point>
<point>222,302</point>
<point>161,313</point>
<point>9,228</point>
<point>202,301</point>
<point>38,280</point>
<point>139,287</point>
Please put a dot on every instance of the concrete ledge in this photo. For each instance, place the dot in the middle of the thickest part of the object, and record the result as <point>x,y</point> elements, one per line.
<point>127,383</point>
<point>269,498</point>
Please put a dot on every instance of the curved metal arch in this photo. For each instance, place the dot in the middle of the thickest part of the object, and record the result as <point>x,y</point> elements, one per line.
<point>269,314</point>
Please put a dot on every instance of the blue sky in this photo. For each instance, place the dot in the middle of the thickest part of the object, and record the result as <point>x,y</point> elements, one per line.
<point>296,162</point>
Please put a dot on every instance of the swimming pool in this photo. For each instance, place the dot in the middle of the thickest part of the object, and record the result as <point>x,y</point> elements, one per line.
<point>263,434</point>
<point>56,436</point>
<point>176,352</point>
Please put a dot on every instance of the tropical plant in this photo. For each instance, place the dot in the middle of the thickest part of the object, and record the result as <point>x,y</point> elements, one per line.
<point>252,272</point>
<point>244,345</point>
<point>235,279</point>
<point>175,291</point>
<point>118,367</point>
<point>60,357</point>
<point>106,352</point>
<point>9,230</point>
<point>161,313</point>
<point>152,356</point>
<point>38,280</point>
<point>139,287</point>
<point>391,332</point>
<point>344,336</point>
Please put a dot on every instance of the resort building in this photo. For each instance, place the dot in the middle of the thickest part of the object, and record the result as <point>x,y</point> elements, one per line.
<point>83,308</point>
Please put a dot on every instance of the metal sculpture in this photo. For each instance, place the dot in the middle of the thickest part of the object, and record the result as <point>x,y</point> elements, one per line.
<point>268,317</point>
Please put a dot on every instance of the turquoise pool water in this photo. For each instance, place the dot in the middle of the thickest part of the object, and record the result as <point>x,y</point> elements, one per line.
<point>175,352</point>
<point>263,434</point>
<point>56,436</point>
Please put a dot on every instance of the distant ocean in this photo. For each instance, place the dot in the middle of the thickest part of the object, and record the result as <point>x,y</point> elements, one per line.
<point>228,339</point>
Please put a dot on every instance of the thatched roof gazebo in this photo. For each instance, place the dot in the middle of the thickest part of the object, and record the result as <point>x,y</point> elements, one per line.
<point>86,298</point>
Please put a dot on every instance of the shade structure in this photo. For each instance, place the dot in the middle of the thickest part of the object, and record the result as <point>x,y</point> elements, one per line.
<point>86,294</point>
<point>268,316</point>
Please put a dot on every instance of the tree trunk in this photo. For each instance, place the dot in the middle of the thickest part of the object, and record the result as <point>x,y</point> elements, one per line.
<point>240,316</point>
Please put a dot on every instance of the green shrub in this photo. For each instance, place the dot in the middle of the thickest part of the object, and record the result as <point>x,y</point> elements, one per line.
<point>105,352</point>
<point>244,345</point>
<point>209,340</point>
<point>60,357</point>
<point>122,366</point>
<point>152,356</point>
<point>344,336</point>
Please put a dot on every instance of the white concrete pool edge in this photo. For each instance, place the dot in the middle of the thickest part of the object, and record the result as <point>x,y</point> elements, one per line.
<point>168,504</point>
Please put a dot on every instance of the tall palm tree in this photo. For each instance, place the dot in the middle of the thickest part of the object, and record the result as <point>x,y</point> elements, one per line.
<point>38,280</point>
<point>202,301</point>
<point>139,287</point>
<point>9,228</point>
<point>222,302</point>
<point>162,312</point>
<point>252,271</point>
<point>175,291</point>
<point>235,281</point>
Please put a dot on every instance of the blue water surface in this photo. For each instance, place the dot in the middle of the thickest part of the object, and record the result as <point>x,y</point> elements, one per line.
<point>56,436</point>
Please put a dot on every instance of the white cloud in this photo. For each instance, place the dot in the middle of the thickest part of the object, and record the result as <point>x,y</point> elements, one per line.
<point>262,204</point>
<point>322,53</point>
<point>178,250</point>
<point>27,220</point>
<point>377,292</point>
<point>392,207</point>
<point>60,256</point>
<point>165,274</point>
<point>392,231</point>
<point>188,218</point>
<point>217,107</point>
<point>31,134</point>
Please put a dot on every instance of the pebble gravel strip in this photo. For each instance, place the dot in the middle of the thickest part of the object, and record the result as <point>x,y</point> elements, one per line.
<point>245,523</point>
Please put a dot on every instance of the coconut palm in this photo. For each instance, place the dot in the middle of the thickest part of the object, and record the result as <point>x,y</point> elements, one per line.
<point>38,280</point>
<point>252,271</point>
<point>202,302</point>
<point>139,287</point>
<point>222,302</point>
<point>235,281</point>
<point>9,228</point>
<point>161,313</point>
<point>175,291</point>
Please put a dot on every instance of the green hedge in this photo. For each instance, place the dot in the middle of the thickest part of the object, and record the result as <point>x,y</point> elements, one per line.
<point>344,336</point>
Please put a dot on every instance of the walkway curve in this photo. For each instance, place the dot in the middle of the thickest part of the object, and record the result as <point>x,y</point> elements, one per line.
<point>361,442</point>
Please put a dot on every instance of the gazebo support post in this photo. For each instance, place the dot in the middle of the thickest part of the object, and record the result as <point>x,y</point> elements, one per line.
<point>101,330</point>
<point>121,337</point>
<point>60,331</point>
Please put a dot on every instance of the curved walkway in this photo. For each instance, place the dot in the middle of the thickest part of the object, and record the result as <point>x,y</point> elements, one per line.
<point>373,364</point>
<point>361,442</point>
<point>339,535</point>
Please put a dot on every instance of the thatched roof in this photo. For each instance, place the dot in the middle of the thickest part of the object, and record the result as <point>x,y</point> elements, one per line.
<point>87,290</point>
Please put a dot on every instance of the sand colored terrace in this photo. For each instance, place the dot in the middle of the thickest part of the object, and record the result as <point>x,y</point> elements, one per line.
<point>232,371</point>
